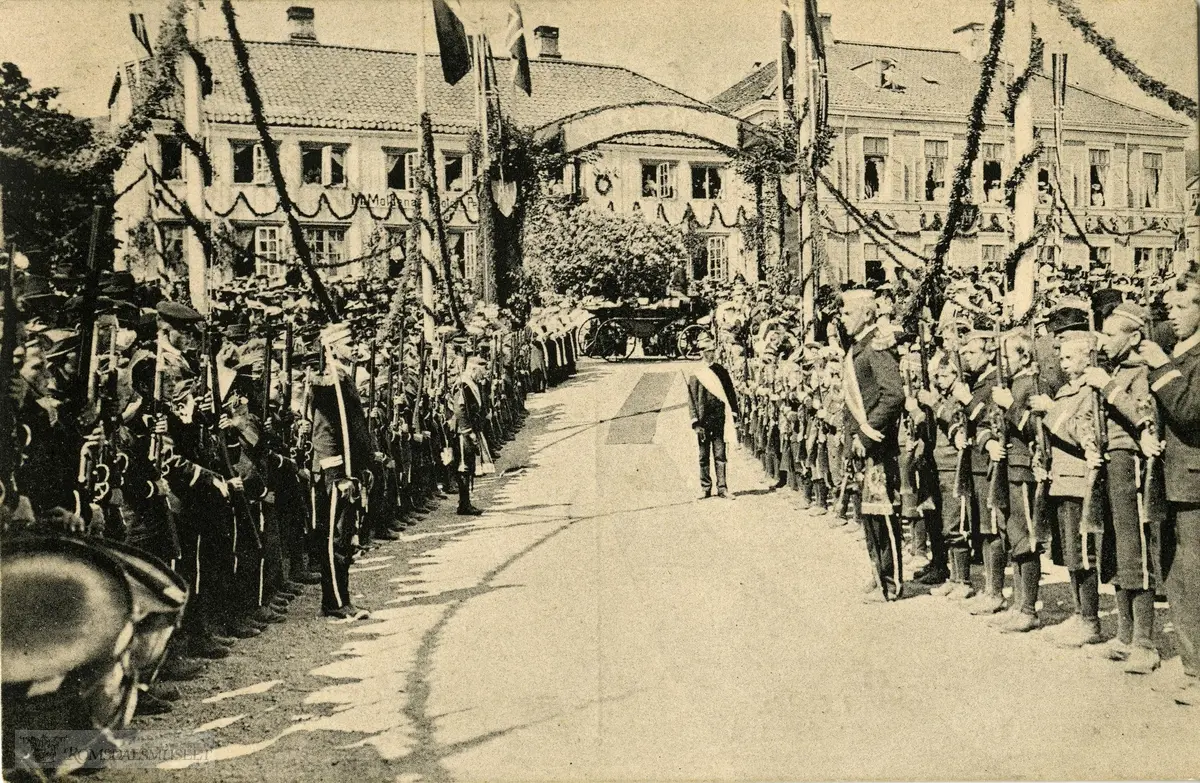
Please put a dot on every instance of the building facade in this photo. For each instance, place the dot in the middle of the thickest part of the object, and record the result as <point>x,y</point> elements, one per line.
<point>900,116</point>
<point>345,124</point>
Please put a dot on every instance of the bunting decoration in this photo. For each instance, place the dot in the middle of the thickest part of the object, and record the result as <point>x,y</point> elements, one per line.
<point>453,45</point>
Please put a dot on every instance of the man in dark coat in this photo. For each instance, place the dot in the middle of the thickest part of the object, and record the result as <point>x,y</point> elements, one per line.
<point>1175,383</point>
<point>874,398</point>
<point>713,404</point>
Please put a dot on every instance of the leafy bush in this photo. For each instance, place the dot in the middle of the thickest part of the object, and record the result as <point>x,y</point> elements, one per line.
<point>582,252</point>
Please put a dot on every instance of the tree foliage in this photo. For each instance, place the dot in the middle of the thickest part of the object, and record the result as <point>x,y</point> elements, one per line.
<point>581,252</point>
<point>47,210</point>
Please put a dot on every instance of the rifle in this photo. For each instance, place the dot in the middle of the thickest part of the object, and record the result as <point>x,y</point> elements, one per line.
<point>269,338</point>
<point>241,506</point>
<point>998,469</point>
<point>1093,501</point>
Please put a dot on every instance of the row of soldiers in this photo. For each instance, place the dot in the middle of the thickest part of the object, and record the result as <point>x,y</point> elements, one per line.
<point>987,444</point>
<point>251,452</point>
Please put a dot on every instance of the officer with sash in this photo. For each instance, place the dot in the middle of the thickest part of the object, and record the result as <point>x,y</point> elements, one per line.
<point>714,409</point>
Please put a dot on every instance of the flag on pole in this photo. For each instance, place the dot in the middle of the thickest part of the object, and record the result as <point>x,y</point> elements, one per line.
<point>137,23</point>
<point>515,38</point>
<point>453,45</point>
<point>787,46</point>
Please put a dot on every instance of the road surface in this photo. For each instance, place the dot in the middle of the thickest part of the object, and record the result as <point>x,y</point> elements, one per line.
<point>600,623</point>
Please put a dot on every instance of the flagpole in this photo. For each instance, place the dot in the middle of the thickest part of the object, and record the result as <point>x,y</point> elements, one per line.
<point>1024,281</point>
<point>426,211</point>
<point>780,64</point>
<point>485,161</point>
<point>802,81</point>
<point>197,262</point>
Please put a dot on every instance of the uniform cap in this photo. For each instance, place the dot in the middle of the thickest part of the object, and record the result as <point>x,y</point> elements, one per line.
<point>178,314</point>
<point>1133,312</point>
<point>858,297</point>
<point>1066,319</point>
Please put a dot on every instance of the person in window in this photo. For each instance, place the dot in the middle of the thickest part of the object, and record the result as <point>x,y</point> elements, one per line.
<point>650,186</point>
<point>1097,195</point>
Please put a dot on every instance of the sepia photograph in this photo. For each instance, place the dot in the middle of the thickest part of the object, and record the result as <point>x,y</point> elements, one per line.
<point>440,391</point>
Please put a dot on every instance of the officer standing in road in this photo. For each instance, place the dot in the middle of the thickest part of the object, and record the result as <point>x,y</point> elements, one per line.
<point>713,406</point>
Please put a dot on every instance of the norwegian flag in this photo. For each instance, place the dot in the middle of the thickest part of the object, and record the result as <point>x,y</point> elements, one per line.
<point>787,46</point>
<point>137,23</point>
<point>515,39</point>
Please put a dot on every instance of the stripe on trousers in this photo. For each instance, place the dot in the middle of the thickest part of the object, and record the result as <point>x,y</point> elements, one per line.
<point>198,540</point>
<point>1141,503</point>
<point>887,521</point>
<point>1033,542</point>
<point>333,499</point>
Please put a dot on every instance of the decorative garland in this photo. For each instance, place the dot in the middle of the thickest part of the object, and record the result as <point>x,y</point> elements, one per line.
<point>1022,169</point>
<point>867,223</point>
<point>1107,47</point>
<point>929,291</point>
<point>1037,52</point>
<point>254,99</point>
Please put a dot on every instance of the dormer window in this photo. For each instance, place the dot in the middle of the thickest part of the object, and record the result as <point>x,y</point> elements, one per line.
<point>889,75</point>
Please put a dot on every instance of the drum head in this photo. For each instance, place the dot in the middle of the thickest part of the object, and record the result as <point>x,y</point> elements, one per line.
<point>65,604</point>
<point>156,588</point>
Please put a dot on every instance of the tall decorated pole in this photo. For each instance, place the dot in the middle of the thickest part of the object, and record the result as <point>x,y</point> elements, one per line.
<point>197,260</point>
<point>1024,284</point>
<point>424,227</point>
<point>805,107</point>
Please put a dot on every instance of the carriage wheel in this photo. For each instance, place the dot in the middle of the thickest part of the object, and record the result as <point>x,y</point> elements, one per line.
<point>688,343</point>
<point>612,341</point>
<point>587,335</point>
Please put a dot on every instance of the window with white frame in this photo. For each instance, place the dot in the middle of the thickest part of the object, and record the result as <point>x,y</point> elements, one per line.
<point>706,181</point>
<point>992,256</point>
<point>249,163</point>
<point>456,171</point>
<point>323,164</point>
<point>1100,255</point>
<point>658,179</point>
<point>875,152</point>
<point>717,250</point>
<point>1097,177</point>
<point>402,169</point>
<point>328,245</point>
<point>937,153</point>
<point>268,252</point>
<point>993,172</point>
<point>873,263</point>
<point>170,158</point>
<point>1162,259</point>
<point>1152,164</point>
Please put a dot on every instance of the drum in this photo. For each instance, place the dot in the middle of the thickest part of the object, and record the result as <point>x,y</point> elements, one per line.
<point>159,595</point>
<point>66,629</point>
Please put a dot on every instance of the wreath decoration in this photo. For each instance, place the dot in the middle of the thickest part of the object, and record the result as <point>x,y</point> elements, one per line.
<point>603,184</point>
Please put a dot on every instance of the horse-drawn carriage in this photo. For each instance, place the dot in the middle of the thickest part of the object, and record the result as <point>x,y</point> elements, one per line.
<point>669,328</point>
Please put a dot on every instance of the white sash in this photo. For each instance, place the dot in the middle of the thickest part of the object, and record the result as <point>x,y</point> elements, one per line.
<point>709,380</point>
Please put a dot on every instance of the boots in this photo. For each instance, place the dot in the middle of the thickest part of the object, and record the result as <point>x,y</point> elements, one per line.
<point>992,599</point>
<point>1143,655</point>
<point>961,589</point>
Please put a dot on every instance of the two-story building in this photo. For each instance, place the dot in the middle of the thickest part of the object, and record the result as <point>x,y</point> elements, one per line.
<point>900,114</point>
<point>345,122</point>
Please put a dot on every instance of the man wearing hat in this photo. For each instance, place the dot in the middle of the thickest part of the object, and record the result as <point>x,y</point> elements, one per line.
<point>341,450</point>
<point>1175,383</point>
<point>874,400</point>
<point>1131,450</point>
<point>468,427</point>
<point>713,405</point>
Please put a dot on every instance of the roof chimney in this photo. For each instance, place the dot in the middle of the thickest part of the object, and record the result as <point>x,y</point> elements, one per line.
<point>302,25</point>
<point>548,38</point>
<point>826,27</point>
<point>972,43</point>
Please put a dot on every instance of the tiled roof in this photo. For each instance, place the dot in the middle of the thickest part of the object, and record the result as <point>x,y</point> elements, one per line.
<point>342,87</point>
<point>664,140</point>
<point>936,81</point>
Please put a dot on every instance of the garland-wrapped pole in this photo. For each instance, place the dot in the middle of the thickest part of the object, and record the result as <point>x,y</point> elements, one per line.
<point>272,154</point>
<point>930,290</point>
<point>1025,267</point>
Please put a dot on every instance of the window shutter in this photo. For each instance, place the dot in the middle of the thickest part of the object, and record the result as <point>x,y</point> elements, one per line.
<point>894,171</point>
<point>1135,182</point>
<point>1168,197</point>
<point>1115,197</point>
<point>907,176</point>
<point>858,188</point>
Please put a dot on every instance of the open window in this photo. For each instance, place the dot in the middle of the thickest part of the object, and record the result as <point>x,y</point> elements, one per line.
<point>875,153</point>
<point>456,171</point>
<point>323,164</point>
<point>992,256</point>
<point>1097,177</point>
<point>170,158</point>
<point>658,179</point>
<point>328,247</point>
<point>873,264</point>
<point>1152,164</point>
<point>993,173</point>
<point>937,153</point>
<point>268,252</point>
<point>249,163</point>
<point>706,181</point>
<point>402,169</point>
